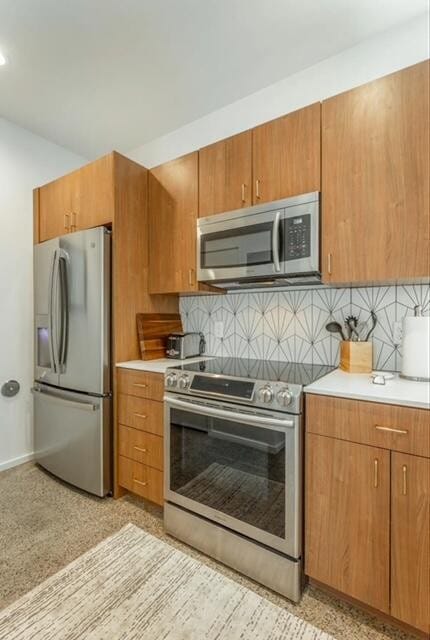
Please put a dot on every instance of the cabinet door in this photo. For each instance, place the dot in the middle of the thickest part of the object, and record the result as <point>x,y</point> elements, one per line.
<point>55,207</point>
<point>375,167</point>
<point>347,518</point>
<point>286,155</point>
<point>225,175</point>
<point>173,205</point>
<point>410,540</point>
<point>95,205</point>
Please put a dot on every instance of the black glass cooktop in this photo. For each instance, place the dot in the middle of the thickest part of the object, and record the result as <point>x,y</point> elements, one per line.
<point>272,371</point>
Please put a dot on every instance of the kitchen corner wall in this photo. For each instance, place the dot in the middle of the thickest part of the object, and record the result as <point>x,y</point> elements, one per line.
<point>289,325</point>
<point>26,161</point>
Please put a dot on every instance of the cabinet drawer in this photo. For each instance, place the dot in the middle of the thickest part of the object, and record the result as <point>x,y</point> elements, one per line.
<point>140,413</point>
<point>141,479</point>
<point>381,425</point>
<point>141,447</point>
<point>141,384</point>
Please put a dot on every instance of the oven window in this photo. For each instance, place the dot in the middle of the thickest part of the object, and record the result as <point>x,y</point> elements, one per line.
<point>237,469</point>
<point>237,247</point>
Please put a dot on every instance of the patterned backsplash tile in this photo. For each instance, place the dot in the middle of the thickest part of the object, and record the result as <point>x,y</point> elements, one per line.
<point>289,325</point>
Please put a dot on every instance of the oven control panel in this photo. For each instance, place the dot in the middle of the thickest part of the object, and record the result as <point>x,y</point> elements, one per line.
<point>277,395</point>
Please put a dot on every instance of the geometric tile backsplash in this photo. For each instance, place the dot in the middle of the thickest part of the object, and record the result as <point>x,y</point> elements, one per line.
<point>289,325</point>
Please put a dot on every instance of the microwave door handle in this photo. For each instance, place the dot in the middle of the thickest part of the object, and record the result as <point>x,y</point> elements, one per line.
<point>258,421</point>
<point>275,241</point>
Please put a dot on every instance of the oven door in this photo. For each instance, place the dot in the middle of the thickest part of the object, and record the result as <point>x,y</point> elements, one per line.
<point>240,470</point>
<point>240,246</point>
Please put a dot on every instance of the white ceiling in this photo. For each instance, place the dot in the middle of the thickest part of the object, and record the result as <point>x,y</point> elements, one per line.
<point>93,75</point>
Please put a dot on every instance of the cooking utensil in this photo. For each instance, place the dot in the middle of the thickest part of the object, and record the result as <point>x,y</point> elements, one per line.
<point>372,328</point>
<point>361,330</point>
<point>351,323</point>
<point>335,327</point>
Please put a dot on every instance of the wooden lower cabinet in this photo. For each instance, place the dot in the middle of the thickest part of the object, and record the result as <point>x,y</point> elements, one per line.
<point>141,383</point>
<point>141,413</point>
<point>139,434</point>
<point>367,505</point>
<point>141,479</point>
<point>141,447</point>
<point>347,520</point>
<point>410,540</point>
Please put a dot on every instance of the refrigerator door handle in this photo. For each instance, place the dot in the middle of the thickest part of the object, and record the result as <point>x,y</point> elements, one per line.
<point>64,309</point>
<point>84,406</point>
<point>51,314</point>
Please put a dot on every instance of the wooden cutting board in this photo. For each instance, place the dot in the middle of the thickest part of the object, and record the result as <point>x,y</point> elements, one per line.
<point>153,330</point>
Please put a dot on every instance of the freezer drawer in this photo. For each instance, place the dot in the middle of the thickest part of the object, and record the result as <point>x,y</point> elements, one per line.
<point>72,437</point>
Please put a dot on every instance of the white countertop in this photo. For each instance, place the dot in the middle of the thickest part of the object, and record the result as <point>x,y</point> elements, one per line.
<point>359,386</point>
<point>158,366</point>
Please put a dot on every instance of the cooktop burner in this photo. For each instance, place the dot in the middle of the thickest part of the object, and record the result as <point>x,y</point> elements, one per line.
<point>266,370</point>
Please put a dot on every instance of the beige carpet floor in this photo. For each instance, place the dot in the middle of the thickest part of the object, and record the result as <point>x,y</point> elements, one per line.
<point>44,525</point>
<point>133,586</point>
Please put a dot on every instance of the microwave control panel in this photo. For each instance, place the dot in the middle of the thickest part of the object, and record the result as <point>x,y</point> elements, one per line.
<point>297,233</point>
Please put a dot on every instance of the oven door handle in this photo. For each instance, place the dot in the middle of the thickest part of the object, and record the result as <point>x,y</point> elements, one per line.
<point>258,421</point>
<point>275,241</point>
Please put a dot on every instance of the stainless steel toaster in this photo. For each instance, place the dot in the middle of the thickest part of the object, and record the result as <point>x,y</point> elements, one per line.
<point>185,345</point>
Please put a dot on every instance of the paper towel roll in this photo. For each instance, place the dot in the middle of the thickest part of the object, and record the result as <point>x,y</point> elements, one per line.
<point>416,347</point>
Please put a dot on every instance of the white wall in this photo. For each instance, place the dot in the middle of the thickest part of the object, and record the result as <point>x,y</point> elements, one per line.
<point>373,58</point>
<point>26,161</point>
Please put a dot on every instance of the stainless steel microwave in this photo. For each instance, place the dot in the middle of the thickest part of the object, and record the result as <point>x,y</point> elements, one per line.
<point>274,243</point>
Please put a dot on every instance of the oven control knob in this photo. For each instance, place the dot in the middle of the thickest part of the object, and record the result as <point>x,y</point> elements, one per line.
<point>284,397</point>
<point>184,382</point>
<point>171,379</point>
<point>266,394</point>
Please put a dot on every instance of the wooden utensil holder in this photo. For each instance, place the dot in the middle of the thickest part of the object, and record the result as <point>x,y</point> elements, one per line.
<point>356,357</point>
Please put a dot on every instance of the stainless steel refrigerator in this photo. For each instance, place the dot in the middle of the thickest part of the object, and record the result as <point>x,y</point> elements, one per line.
<point>72,390</point>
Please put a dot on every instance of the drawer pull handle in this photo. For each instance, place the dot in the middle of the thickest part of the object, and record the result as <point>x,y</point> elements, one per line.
<point>405,480</point>
<point>329,264</point>
<point>140,449</point>
<point>140,415</point>
<point>375,473</point>
<point>139,384</point>
<point>144,484</point>
<point>391,430</point>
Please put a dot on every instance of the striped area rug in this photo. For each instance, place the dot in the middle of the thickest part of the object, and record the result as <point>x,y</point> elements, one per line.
<point>133,586</point>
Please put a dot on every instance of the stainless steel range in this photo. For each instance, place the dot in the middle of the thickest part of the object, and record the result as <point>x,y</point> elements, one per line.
<point>233,464</point>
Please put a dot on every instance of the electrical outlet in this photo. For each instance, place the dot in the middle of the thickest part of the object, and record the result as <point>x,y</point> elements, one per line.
<point>219,329</point>
<point>397,332</point>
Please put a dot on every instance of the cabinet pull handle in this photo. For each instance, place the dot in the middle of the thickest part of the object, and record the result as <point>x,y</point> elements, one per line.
<point>243,192</point>
<point>376,473</point>
<point>139,384</point>
<point>391,429</point>
<point>73,225</point>
<point>404,480</point>
<point>257,189</point>
<point>144,484</point>
<point>191,277</point>
<point>329,264</point>
<point>140,449</point>
<point>140,415</point>
<point>67,221</point>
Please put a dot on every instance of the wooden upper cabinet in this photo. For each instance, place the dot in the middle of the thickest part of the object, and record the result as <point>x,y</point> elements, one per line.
<point>347,521</point>
<point>96,203</point>
<point>287,155</point>
<point>79,200</point>
<point>410,540</point>
<point>375,180</point>
<point>225,175</point>
<point>173,207</point>
<point>56,202</point>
